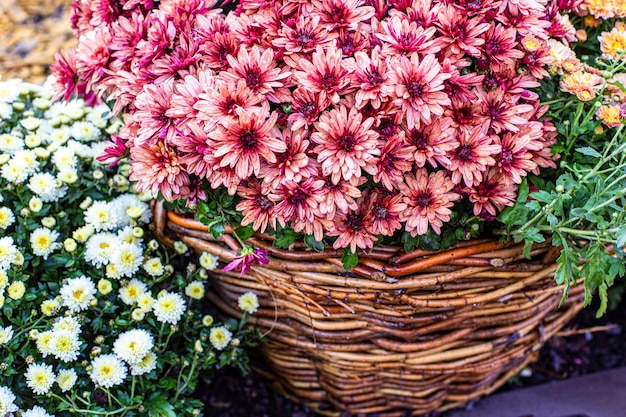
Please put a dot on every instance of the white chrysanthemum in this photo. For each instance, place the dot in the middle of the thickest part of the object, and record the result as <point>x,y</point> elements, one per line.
<point>43,343</point>
<point>131,291</point>
<point>208,261</point>
<point>64,158</point>
<point>220,337</point>
<point>83,233</point>
<point>127,259</point>
<point>31,123</point>
<point>60,135</point>
<point>6,333</point>
<point>101,216</point>
<point>145,365</point>
<point>85,131</point>
<point>108,370</point>
<point>127,235</point>
<point>7,399</point>
<point>154,267</point>
<point>67,176</point>
<point>66,379</point>
<point>4,280</point>
<point>145,302</point>
<point>123,203</point>
<point>65,345</point>
<point>132,346</point>
<point>248,302</point>
<point>67,323</point>
<point>14,171</point>
<point>28,159</point>
<point>9,90</point>
<point>169,307</point>
<point>45,186</point>
<point>77,293</point>
<point>39,378</point>
<point>49,307</point>
<point>6,110</point>
<point>37,411</point>
<point>8,252</point>
<point>10,143</point>
<point>99,248</point>
<point>6,217</point>
<point>43,241</point>
<point>195,290</point>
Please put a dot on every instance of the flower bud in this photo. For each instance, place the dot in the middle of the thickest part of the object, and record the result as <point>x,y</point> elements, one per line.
<point>198,346</point>
<point>180,247</point>
<point>48,222</point>
<point>207,320</point>
<point>42,153</point>
<point>97,174</point>
<point>70,245</point>
<point>138,232</point>
<point>35,205</point>
<point>138,314</point>
<point>104,286</point>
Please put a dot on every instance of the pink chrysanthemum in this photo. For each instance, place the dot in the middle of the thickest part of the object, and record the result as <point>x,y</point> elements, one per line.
<point>428,199</point>
<point>152,105</point>
<point>493,193</point>
<point>458,33</point>
<point>353,229</point>
<point>396,158</point>
<point>221,103</point>
<point>305,37</point>
<point>373,77</point>
<point>339,197</point>
<point>291,165</point>
<point>245,142</point>
<point>474,154</point>
<point>432,142</point>
<point>256,207</point>
<point>403,37</point>
<point>248,257</point>
<point>156,167</point>
<point>385,211</point>
<point>306,106</point>
<point>325,73</point>
<point>299,203</point>
<point>346,144</point>
<point>341,14</point>
<point>258,70</point>
<point>515,160</point>
<point>420,88</point>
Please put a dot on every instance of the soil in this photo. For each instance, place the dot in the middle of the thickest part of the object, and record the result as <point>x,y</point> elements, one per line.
<point>585,346</point>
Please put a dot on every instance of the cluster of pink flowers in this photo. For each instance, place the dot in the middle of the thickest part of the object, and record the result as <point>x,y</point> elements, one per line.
<point>347,118</point>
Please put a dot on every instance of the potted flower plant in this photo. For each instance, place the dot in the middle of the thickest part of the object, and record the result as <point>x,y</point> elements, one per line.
<point>94,317</point>
<point>359,164</point>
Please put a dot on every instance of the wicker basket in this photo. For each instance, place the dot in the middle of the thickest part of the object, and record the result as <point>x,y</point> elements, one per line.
<point>401,334</point>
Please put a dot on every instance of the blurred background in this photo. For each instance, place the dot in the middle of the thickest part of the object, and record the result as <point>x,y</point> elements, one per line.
<point>31,31</point>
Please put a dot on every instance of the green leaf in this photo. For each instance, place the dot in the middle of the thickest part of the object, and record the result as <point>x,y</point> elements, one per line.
<point>586,150</point>
<point>285,238</point>
<point>604,300</point>
<point>543,196</point>
<point>313,244</point>
<point>349,259</point>
<point>157,406</point>
<point>522,191</point>
<point>217,228</point>
<point>531,236</point>
<point>244,232</point>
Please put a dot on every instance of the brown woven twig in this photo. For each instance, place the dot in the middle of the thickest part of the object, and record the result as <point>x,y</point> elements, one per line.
<point>399,333</point>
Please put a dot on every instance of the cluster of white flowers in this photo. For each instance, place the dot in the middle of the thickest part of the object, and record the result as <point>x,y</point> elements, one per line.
<point>106,314</point>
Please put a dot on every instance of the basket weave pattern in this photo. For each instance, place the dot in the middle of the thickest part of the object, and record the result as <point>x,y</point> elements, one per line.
<point>417,332</point>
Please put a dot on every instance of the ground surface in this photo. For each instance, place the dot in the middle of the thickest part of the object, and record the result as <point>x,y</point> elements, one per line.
<point>579,353</point>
